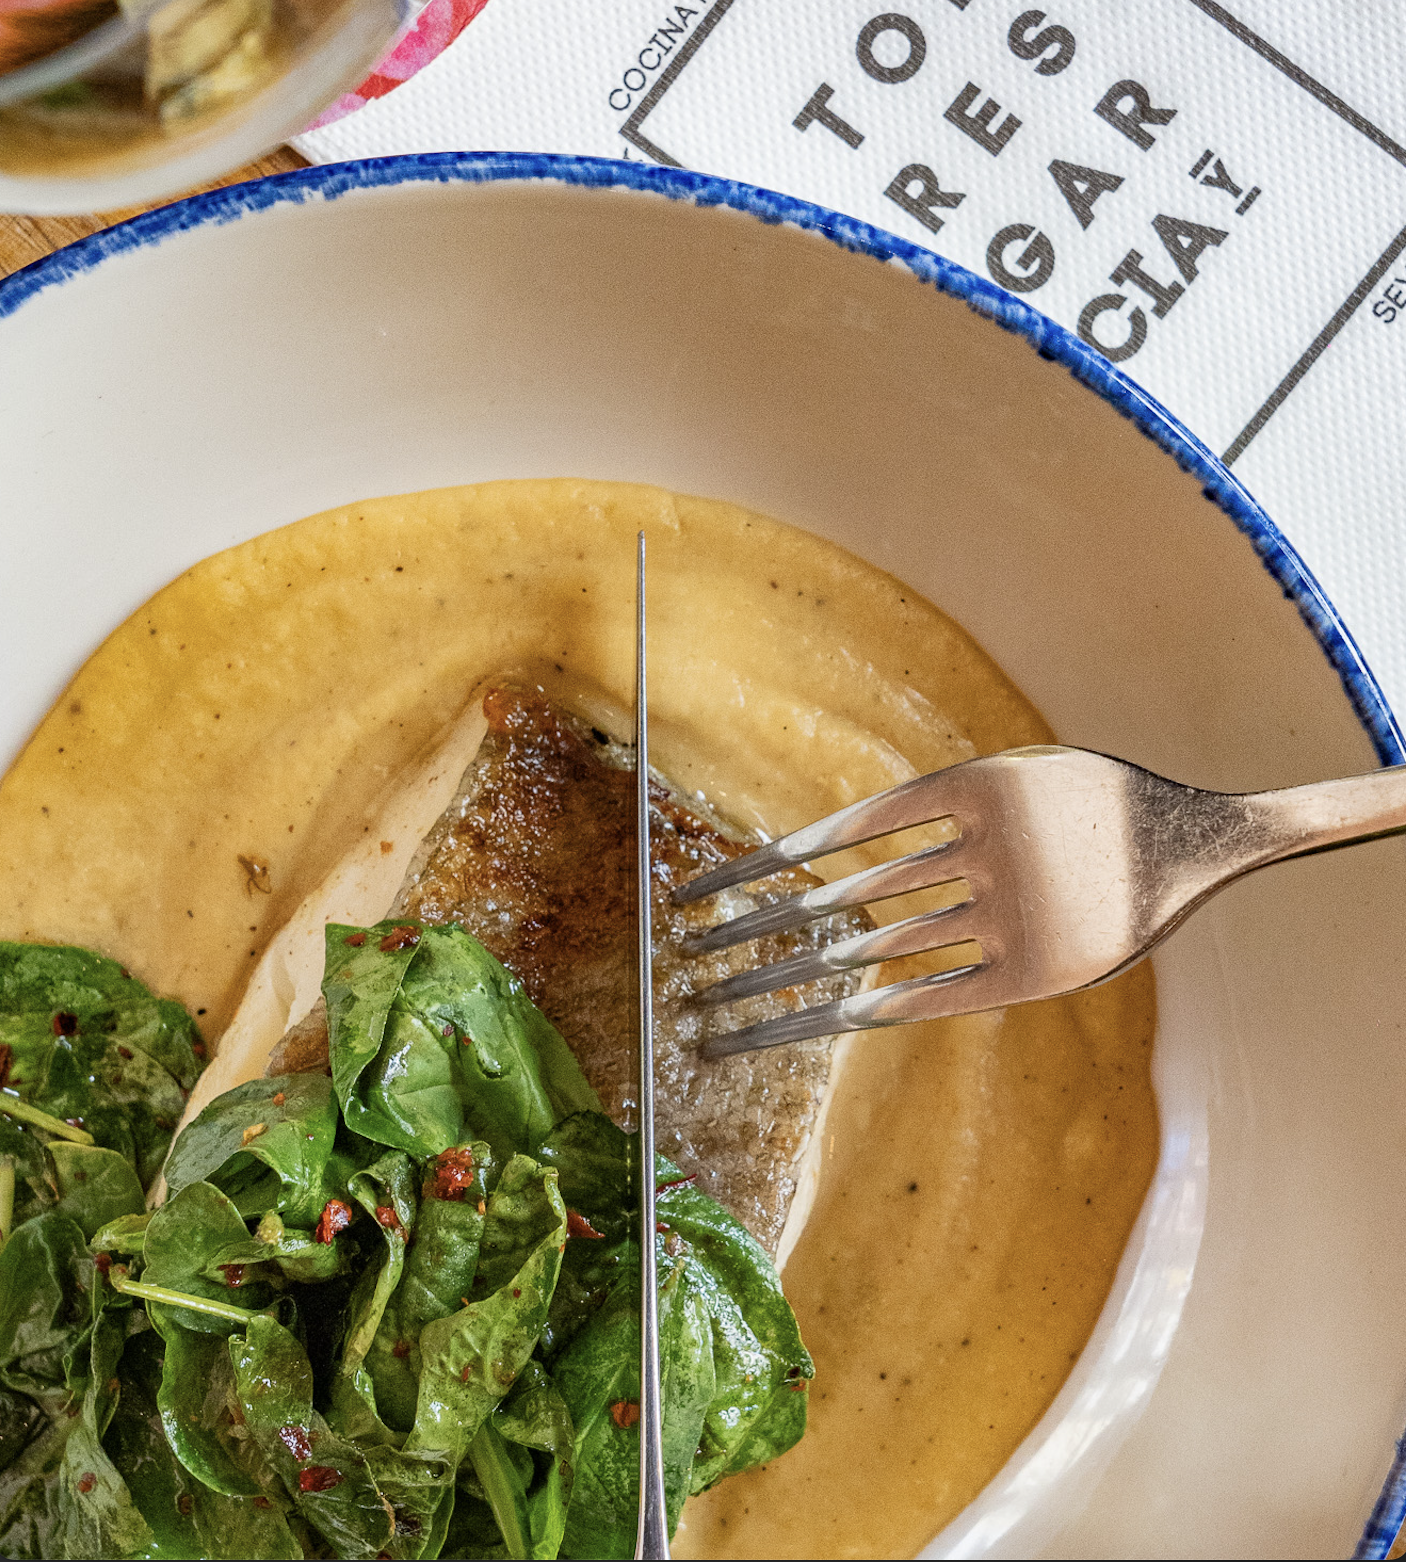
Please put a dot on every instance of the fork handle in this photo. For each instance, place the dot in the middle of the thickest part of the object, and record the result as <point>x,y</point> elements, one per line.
<point>1300,820</point>
<point>1193,843</point>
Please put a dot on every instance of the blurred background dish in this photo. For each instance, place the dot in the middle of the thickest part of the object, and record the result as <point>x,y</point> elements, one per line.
<point>32,30</point>
<point>263,352</point>
<point>105,104</point>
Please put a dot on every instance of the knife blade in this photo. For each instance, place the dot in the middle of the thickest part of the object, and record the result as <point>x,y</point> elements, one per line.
<point>652,1537</point>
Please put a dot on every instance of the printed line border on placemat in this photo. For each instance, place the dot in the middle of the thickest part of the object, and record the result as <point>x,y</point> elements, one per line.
<point>1373,133</point>
<point>630,130</point>
<point>1345,312</point>
<point>1300,77</point>
<point>1217,13</point>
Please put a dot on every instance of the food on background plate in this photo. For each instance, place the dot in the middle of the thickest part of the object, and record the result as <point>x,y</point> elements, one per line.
<point>276,733</point>
<point>32,29</point>
<point>174,69</point>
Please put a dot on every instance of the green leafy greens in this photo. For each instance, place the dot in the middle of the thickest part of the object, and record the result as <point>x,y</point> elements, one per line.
<point>85,1043</point>
<point>393,1313</point>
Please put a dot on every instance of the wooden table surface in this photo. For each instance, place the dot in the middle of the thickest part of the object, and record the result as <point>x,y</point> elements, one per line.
<point>26,239</point>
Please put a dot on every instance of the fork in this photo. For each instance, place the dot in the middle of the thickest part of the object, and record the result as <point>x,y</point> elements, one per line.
<point>1076,866</point>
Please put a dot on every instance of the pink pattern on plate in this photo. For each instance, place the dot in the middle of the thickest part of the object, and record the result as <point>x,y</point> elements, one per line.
<point>436,27</point>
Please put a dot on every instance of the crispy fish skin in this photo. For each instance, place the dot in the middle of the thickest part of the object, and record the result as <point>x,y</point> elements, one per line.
<point>535,858</point>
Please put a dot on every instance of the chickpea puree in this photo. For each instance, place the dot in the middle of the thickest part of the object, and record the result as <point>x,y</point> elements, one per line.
<point>230,742</point>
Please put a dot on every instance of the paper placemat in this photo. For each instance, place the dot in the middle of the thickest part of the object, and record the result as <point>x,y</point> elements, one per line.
<point>1214,199</point>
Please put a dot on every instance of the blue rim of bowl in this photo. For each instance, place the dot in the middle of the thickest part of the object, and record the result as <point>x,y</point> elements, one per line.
<point>330,181</point>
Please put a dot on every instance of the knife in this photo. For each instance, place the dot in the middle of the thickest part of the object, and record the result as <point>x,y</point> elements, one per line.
<point>652,1537</point>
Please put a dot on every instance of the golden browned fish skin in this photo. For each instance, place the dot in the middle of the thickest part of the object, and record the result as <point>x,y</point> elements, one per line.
<point>535,858</point>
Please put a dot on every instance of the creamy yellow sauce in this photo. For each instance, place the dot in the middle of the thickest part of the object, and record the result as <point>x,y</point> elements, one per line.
<point>225,748</point>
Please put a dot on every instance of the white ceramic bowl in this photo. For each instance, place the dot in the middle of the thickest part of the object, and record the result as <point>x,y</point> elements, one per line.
<point>232,363</point>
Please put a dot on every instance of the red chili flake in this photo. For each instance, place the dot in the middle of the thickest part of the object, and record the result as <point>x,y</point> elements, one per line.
<point>6,1057</point>
<point>464,1375</point>
<point>579,1226</point>
<point>198,1048</point>
<point>65,1024</point>
<point>336,1216</point>
<point>103,1261</point>
<point>448,1030</point>
<point>387,1217</point>
<point>262,1502</point>
<point>800,1388</point>
<point>516,1292</point>
<point>185,1505</point>
<point>401,1349</point>
<point>279,1098</point>
<point>234,1274</point>
<point>77,1122</point>
<point>453,1174</point>
<point>399,938</point>
<point>87,1482</point>
<point>660,1226</point>
<point>296,1440</point>
<point>356,940</point>
<point>677,1182</point>
<point>625,1413</point>
<point>124,1052</point>
<point>318,1477</point>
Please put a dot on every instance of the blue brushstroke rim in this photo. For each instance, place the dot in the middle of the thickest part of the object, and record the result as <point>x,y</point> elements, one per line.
<point>331,181</point>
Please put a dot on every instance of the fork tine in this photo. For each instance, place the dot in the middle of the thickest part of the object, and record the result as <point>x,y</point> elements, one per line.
<point>963,991</point>
<point>913,936</point>
<point>912,802</point>
<point>919,870</point>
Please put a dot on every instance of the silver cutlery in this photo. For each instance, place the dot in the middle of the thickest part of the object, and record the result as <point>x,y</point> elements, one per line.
<point>1075,866</point>
<point>652,1537</point>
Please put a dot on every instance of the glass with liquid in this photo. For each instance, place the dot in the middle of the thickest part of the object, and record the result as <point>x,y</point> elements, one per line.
<point>107,103</point>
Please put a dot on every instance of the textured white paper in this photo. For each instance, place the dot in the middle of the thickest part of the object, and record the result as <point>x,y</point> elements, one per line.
<point>1273,324</point>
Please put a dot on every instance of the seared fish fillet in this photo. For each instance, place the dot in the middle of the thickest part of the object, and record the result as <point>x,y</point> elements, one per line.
<point>535,858</point>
